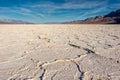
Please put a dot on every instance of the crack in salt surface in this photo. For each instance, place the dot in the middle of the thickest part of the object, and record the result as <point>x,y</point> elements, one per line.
<point>42,76</point>
<point>78,67</point>
<point>60,60</point>
<point>111,35</point>
<point>53,76</point>
<point>79,47</point>
<point>55,61</point>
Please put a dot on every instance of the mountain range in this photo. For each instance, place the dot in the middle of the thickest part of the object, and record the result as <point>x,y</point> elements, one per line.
<point>14,22</point>
<point>110,18</point>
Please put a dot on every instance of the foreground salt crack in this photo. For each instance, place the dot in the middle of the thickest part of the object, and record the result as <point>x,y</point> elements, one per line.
<point>59,52</point>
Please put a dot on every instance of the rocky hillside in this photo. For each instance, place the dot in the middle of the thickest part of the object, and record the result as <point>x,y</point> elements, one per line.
<point>110,18</point>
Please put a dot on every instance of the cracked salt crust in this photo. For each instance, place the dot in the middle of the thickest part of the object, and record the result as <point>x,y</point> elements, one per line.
<point>59,52</point>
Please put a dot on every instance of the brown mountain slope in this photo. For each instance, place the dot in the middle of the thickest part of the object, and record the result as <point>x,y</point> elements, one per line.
<point>111,18</point>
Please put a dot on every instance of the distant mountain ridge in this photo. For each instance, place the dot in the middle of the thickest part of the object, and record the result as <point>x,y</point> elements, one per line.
<point>110,18</point>
<point>13,22</point>
<point>113,14</point>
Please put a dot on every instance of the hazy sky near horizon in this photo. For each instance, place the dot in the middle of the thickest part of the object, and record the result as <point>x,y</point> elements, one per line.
<point>44,11</point>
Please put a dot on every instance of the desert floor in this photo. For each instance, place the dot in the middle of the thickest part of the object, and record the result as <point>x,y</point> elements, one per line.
<point>59,52</point>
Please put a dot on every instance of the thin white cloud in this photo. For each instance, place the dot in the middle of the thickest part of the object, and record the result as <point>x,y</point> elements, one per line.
<point>92,12</point>
<point>25,10</point>
<point>22,11</point>
<point>69,5</point>
<point>117,5</point>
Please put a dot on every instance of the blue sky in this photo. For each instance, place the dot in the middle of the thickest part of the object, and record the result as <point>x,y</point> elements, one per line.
<point>43,11</point>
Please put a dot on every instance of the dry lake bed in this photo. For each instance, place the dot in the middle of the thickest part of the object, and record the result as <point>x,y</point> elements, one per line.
<point>60,52</point>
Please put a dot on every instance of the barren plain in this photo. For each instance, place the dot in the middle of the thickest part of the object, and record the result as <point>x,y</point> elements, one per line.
<point>60,52</point>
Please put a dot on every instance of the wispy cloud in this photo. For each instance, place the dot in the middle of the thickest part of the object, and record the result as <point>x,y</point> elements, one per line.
<point>21,11</point>
<point>49,6</point>
<point>92,13</point>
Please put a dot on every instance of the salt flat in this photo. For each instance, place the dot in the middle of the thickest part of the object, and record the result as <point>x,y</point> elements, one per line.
<point>60,52</point>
